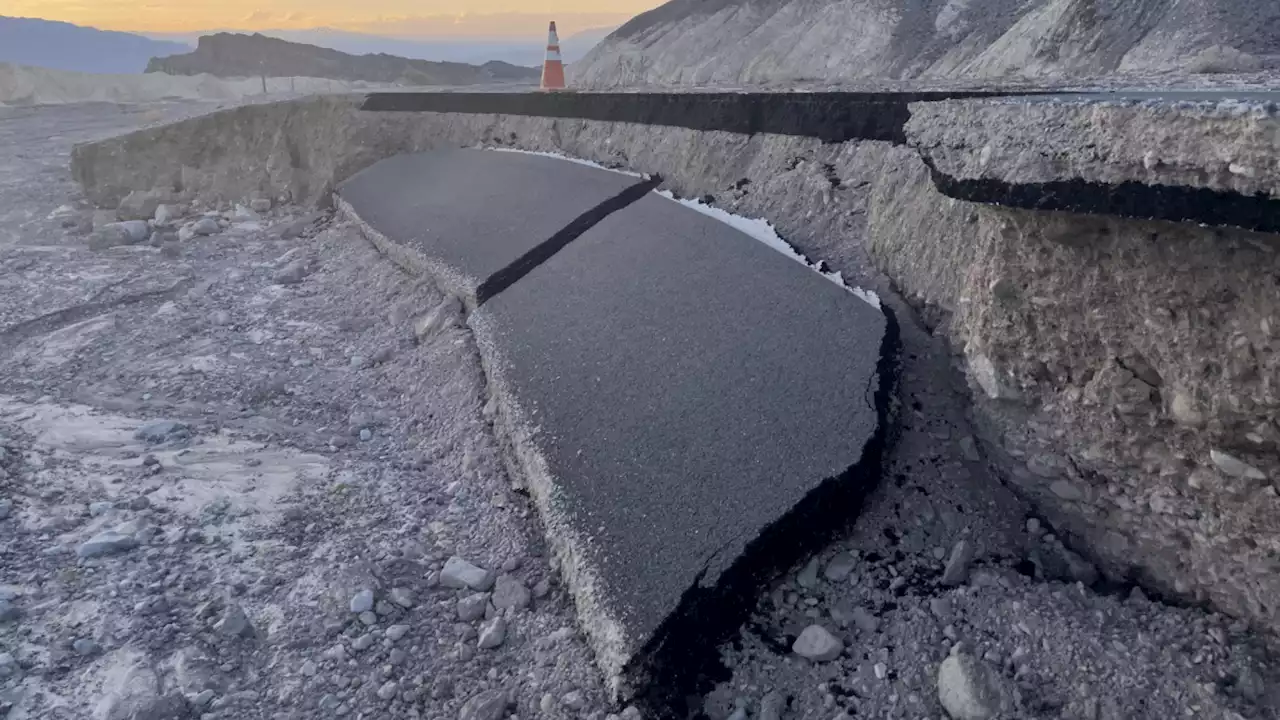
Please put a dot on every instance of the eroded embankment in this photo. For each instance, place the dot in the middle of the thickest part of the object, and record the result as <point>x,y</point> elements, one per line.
<point>1124,370</point>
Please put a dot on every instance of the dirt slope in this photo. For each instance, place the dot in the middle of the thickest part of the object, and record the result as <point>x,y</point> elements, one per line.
<point>778,41</point>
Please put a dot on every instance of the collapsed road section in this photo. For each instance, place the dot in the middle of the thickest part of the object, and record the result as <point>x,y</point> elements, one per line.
<point>690,409</point>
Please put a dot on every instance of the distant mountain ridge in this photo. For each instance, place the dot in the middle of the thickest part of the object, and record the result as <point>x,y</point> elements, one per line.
<point>239,55</point>
<point>529,53</point>
<point>760,42</point>
<point>63,46</point>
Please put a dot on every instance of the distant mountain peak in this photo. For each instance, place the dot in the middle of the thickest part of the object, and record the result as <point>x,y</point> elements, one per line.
<point>66,46</point>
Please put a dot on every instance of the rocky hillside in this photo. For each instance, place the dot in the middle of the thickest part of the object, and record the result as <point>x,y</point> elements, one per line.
<point>236,55</point>
<point>687,42</point>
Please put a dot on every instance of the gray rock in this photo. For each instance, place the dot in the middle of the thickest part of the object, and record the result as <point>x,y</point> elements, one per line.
<point>573,700</point>
<point>122,233</point>
<point>329,702</point>
<point>234,622</point>
<point>956,571</point>
<point>202,698</point>
<point>6,508</point>
<point>100,508</point>
<point>1066,490</point>
<point>163,431</point>
<point>493,633</point>
<point>388,690</point>
<point>542,588</point>
<point>206,226</point>
<point>8,665</point>
<point>364,642</point>
<point>362,601</point>
<point>8,611</point>
<point>807,578</point>
<point>489,705</point>
<point>969,689</point>
<point>260,205</point>
<point>142,502</point>
<point>85,647</point>
<point>840,567</point>
<point>369,618</point>
<point>818,645</point>
<point>863,620</point>
<point>510,593</point>
<point>460,574</point>
<point>336,653</point>
<point>941,609</point>
<point>141,204</point>
<point>1235,467</point>
<point>166,213</point>
<point>969,448</point>
<point>772,706</point>
<point>384,608</point>
<point>472,607</point>
<point>403,597</point>
<point>293,273</point>
<point>107,543</point>
<point>396,632</point>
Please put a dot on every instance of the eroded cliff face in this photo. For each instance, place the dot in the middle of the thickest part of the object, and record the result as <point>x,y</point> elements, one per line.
<point>760,42</point>
<point>1125,372</point>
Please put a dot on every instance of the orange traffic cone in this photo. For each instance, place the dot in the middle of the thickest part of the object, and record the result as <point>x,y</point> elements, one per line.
<point>553,68</point>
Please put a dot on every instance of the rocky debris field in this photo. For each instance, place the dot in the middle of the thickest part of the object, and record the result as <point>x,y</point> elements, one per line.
<point>242,477</point>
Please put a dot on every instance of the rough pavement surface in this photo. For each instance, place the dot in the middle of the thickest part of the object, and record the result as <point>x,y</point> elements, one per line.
<point>332,523</point>
<point>685,407</point>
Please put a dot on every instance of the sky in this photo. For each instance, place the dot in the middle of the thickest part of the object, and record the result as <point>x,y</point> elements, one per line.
<point>400,18</point>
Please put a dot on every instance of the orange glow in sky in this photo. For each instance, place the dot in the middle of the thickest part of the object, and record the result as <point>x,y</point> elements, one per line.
<point>403,18</point>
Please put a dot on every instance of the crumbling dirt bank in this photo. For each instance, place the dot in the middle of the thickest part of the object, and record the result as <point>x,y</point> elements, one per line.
<point>1124,371</point>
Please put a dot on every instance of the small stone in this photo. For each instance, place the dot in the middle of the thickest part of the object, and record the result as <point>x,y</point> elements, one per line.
<point>366,435</point>
<point>493,633</point>
<point>1033,526</point>
<point>941,608</point>
<point>142,502</point>
<point>1066,490</point>
<point>472,607</point>
<point>364,642</point>
<point>969,448</point>
<point>6,508</point>
<point>330,702</point>
<point>881,670</point>
<point>573,700</point>
<point>85,647</point>
<point>384,608</point>
<point>8,665</point>
<point>772,706</point>
<point>542,588</point>
<point>357,362</point>
<point>206,226</point>
<point>489,705</point>
<point>234,622</point>
<point>863,620</point>
<point>808,576</point>
<point>460,574</point>
<point>402,597</point>
<point>293,273</point>
<point>202,698</point>
<point>260,205</point>
<point>956,571</point>
<point>511,564</point>
<point>388,690</point>
<point>162,431</point>
<point>969,689</point>
<point>369,618</point>
<point>1235,467</point>
<point>141,205</point>
<point>362,601</point>
<point>510,593</point>
<point>840,567</point>
<point>336,653</point>
<point>97,509</point>
<point>396,632</point>
<point>818,645</point>
<point>8,611</point>
<point>309,668</point>
<point>107,543</point>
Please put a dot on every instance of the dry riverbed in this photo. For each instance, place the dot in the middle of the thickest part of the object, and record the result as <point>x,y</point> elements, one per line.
<point>247,471</point>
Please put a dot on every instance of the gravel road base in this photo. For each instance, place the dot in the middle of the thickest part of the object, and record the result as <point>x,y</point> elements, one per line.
<point>235,468</point>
